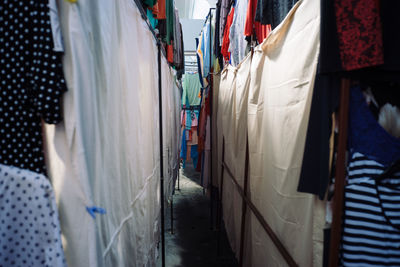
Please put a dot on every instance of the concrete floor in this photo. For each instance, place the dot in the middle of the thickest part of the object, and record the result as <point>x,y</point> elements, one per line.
<point>193,243</point>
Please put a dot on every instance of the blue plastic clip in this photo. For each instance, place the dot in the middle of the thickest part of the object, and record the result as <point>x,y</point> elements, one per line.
<point>93,210</point>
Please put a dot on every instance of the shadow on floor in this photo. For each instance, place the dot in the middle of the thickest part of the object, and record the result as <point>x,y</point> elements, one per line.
<point>194,243</point>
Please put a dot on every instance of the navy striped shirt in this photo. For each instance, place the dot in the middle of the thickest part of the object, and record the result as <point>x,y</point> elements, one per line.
<point>371,219</point>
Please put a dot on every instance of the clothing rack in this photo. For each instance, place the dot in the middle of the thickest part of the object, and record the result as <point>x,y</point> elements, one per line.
<point>209,15</point>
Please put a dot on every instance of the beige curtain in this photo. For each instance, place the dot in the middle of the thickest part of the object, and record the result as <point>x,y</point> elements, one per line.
<point>106,152</point>
<point>273,90</point>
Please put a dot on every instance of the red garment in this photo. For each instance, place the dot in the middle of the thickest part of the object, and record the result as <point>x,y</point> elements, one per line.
<point>225,40</point>
<point>360,33</point>
<point>202,128</point>
<point>170,53</point>
<point>208,103</point>
<point>155,11</point>
<point>161,9</point>
<point>261,31</point>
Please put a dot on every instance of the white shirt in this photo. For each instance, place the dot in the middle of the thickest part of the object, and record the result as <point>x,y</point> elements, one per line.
<point>238,43</point>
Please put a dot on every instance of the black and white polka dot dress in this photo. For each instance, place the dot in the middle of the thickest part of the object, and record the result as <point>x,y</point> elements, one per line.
<point>30,232</point>
<point>31,82</point>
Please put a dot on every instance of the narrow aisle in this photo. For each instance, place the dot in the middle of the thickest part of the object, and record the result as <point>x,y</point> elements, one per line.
<point>193,243</point>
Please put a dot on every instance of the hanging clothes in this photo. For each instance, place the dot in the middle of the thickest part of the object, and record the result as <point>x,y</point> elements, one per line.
<point>153,21</point>
<point>261,31</point>
<point>225,43</point>
<point>191,95</point>
<point>178,43</point>
<point>315,169</point>
<point>55,27</point>
<point>170,52</point>
<point>331,59</point>
<point>371,229</point>
<point>217,46</point>
<point>237,44</point>
<point>29,225</point>
<point>170,14</point>
<point>225,7</point>
<point>315,174</point>
<point>149,3</point>
<point>160,6</point>
<point>31,82</point>
<point>359,33</point>
<point>273,11</point>
<point>200,57</point>
<point>206,47</point>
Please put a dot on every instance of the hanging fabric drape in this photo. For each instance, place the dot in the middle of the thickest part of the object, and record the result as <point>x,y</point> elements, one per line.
<point>279,91</point>
<point>232,127</point>
<point>171,128</point>
<point>105,155</point>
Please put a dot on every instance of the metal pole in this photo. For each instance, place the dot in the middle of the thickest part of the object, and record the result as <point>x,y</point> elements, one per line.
<point>179,175</point>
<point>340,174</point>
<point>172,215</point>
<point>244,205</point>
<point>211,156</point>
<point>161,156</point>
<point>219,213</point>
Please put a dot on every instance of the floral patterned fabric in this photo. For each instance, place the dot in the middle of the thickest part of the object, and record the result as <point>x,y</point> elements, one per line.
<point>359,33</point>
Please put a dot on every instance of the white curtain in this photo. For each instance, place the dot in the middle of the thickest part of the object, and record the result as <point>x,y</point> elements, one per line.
<point>171,127</point>
<point>270,92</point>
<point>232,130</point>
<point>106,152</point>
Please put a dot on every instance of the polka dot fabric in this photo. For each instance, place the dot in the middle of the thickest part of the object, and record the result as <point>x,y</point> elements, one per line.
<point>29,226</point>
<point>31,82</point>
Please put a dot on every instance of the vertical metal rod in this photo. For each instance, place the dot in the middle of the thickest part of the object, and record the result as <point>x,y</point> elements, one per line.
<point>244,205</point>
<point>340,174</point>
<point>179,175</point>
<point>172,215</point>
<point>210,93</point>
<point>219,212</point>
<point>202,172</point>
<point>161,156</point>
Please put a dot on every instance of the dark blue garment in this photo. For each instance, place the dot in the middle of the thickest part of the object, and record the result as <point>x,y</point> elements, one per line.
<point>194,154</point>
<point>183,149</point>
<point>273,11</point>
<point>314,176</point>
<point>367,136</point>
<point>199,65</point>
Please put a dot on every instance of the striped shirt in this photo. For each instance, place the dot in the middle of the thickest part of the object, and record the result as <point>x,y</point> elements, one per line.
<point>371,219</point>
